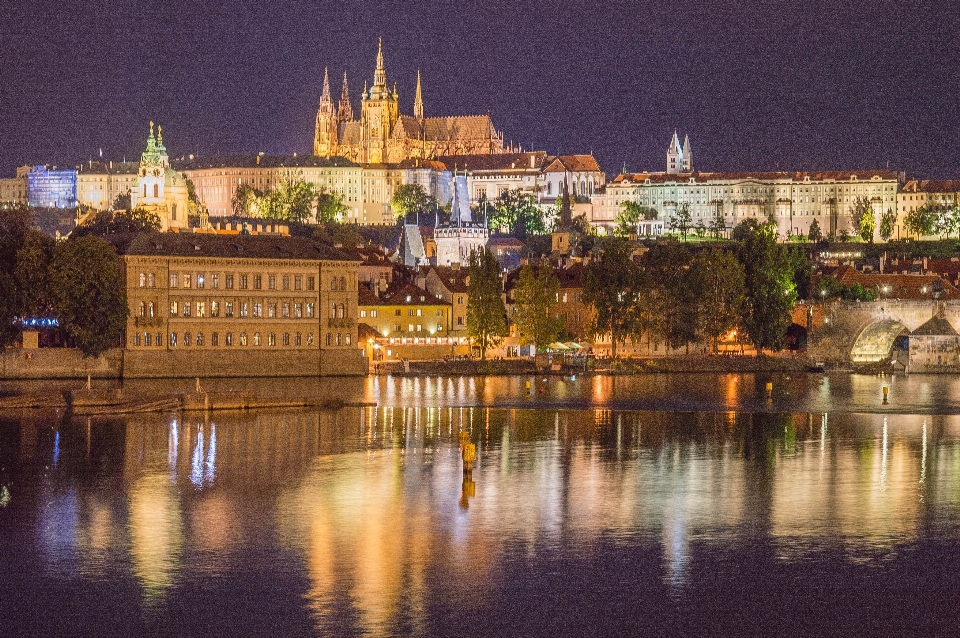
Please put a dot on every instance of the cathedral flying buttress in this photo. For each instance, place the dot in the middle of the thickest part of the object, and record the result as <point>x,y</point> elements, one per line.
<point>382,135</point>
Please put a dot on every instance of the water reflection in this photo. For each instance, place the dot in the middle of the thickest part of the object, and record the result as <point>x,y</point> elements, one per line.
<point>373,507</point>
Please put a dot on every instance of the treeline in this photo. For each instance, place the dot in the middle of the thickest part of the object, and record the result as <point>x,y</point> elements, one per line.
<point>292,200</point>
<point>77,281</point>
<point>671,292</point>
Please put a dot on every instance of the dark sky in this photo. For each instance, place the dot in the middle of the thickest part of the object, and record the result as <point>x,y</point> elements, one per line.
<point>757,84</point>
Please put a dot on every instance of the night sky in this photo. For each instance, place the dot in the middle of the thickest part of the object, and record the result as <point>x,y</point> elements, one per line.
<point>757,84</point>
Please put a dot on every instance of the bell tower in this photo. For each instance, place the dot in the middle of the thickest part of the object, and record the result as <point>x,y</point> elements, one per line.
<point>379,112</point>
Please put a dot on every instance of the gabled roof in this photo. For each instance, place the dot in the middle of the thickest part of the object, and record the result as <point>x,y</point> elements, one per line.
<point>895,286</point>
<point>366,296</point>
<point>251,161</point>
<point>365,332</point>
<point>799,176</point>
<point>502,162</point>
<point>226,246</point>
<point>572,164</point>
<point>936,327</point>
<point>417,297</point>
<point>932,186</point>
<point>458,127</point>
<point>454,280</point>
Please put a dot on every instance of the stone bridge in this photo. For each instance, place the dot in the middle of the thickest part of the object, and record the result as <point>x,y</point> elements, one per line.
<point>844,332</point>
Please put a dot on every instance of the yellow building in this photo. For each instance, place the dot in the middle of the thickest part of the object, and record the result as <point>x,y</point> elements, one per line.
<point>214,305</point>
<point>930,193</point>
<point>413,324</point>
<point>100,183</point>
<point>383,135</point>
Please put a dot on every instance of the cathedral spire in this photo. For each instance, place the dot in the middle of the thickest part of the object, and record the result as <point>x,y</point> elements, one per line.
<point>380,75</point>
<point>325,96</point>
<point>345,109</point>
<point>418,101</point>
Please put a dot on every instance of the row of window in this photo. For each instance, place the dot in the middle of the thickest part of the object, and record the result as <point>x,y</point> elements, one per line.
<point>199,309</point>
<point>419,327</point>
<point>243,282</point>
<point>187,339</point>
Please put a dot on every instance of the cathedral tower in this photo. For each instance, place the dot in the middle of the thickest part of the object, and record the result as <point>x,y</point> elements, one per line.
<point>687,155</point>
<point>379,112</point>
<point>325,138</point>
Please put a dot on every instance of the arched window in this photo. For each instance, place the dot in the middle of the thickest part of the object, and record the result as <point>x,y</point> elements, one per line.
<point>333,283</point>
<point>186,339</point>
<point>143,309</point>
<point>150,309</point>
<point>339,339</point>
<point>151,281</point>
<point>256,338</point>
<point>146,338</point>
<point>347,338</point>
<point>156,190</point>
<point>143,280</point>
<point>340,311</point>
<point>199,338</point>
<point>343,283</point>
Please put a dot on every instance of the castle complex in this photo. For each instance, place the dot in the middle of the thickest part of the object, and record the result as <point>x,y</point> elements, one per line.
<point>383,135</point>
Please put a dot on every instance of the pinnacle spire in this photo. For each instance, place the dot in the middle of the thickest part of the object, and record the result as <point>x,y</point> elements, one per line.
<point>345,109</point>
<point>418,100</point>
<point>325,96</point>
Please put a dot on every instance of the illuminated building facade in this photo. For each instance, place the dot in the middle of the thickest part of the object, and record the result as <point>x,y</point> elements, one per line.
<point>100,183</point>
<point>794,200</point>
<point>382,135</point>
<point>215,305</point>
<point>51,188</point>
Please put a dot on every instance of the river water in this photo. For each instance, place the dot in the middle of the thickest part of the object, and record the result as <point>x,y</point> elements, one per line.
<point>661,504</point>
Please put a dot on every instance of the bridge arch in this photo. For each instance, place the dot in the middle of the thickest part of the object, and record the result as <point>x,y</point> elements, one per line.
<point>875,342</point>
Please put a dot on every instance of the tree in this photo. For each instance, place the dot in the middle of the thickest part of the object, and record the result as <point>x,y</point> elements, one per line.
<point>486,314</point>
<point>749,227</point>
<point>117,222</point>
<point>14,226</point>
<point>946,220</point>
<point>671,294</point>
<point>920,221</point>
<point>614,284</point>
<point>32,274</point>
<point>122,202</point>
<point>815,234</point>
<point>291,200</point>
<point>681,220</point>
<point>244,200</point>
<point>534,297</point>
<point>88,295</point>
<point>517,212</point>
<point>863,218</point>
<point>720,294</point>
<point>411,199</point>
<point>630,215</point>
<point>330,206</point>
<point>887,222</point>
<point>718,224</point>
<point>769,291</point>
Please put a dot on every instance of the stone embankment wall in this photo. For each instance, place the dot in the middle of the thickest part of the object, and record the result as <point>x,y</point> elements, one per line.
<point>67,363</point>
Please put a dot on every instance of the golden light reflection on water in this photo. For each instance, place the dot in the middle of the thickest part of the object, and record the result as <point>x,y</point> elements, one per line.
<point>371,499</point>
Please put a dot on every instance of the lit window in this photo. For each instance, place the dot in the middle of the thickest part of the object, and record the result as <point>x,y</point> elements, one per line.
<point>199,338</point>
<point>173,339</point>
<point>151,281</point>
<point>214,281</point>
<point>257,311</point>
<point>186,308</point>
<point>297,310</point>
<point>310,310</point>
<point>214,308</point>
<point>200,281</point>
<point>243,282</point>
<point>201,308</point>
<point>272,310</point>
<point>229,282</point>
<point>373,313</point>
<point>298,282</point>
<point>243,338</point>
<point>363,314</point>
<point>244,309</point>
<point>143,309</point>
<point>285,310</point>
<point>271,339</point>
<point>309,338</point>
<point>173,280</point>
<point>347,339</point>
<point>186,281</point>
<point>256,338</point>
<point>143,279</point>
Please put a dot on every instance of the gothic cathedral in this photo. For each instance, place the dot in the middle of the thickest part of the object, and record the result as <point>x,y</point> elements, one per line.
<point>383,135</point>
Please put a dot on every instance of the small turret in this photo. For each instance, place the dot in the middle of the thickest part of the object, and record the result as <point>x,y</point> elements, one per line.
<point>345,108</point>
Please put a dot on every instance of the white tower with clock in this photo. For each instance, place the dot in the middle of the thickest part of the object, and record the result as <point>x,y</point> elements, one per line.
<point>160,189</point>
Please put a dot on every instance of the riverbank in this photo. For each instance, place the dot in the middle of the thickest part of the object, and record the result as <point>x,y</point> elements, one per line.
<point>626,366</point>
